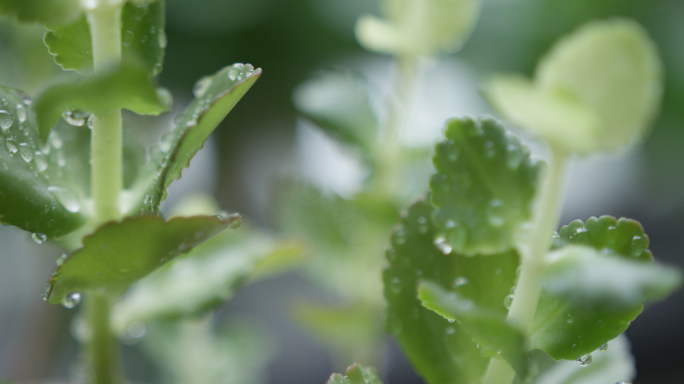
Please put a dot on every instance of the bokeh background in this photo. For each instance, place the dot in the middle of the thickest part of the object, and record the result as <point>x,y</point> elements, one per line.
<point>263,142</point>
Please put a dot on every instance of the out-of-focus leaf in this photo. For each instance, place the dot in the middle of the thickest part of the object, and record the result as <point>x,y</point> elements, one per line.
<point>44,11</point>
<point>354,332</point>
<point>128,87</point>
<point>215,97</point>
<point>483,188</point>
<point>194,351</point>
<point>41,187</point>
<point>593,297</point>
<point>604,80</point>
<point>338,102</point>
<point>142,34</point>
<point>419,28</point>
<point>208,275</point>
<point>120,253</point>
<point>440,351</point>
<point>496,338</point>
<point>356,374</point>
<point>611,365</point>
<point>606,234</point>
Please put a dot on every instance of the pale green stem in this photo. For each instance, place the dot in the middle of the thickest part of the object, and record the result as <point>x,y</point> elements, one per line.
<point>533,264</point>
<point>388,148</point>
<point>106,183</point>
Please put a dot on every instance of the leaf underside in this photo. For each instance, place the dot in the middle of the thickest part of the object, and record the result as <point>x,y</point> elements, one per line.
<point>119,253</point>
<point>483,188</point>
<point>215,97</point>
<point>42,187</point>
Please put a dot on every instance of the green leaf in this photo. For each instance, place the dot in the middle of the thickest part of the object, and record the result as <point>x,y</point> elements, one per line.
<point>338,102</point>
<point>496,338</point>
<point>354,332</point>
<point>215,97</point>
<point>604,81</point>
<point>606,234</point>
<point>612,365</point>
<point>424,28</point>
<point>593,297</point>
<point>356,374</point>
<point>440,351</point>
<point>44,11</point>
<point>41,187</point>
<point>142,34</point>
<point>190,285</point>
<point>119,253</point>
<point>483,188</point>
<point>126,87</point>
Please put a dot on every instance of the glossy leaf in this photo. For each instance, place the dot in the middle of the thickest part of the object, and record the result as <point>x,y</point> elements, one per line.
<point>338,102</point>
<point>598,89</point>
<point>612,365</point>
<point>356,374</point>
<point>425,28</point>
<point>44,11</point>
<point>142,34</point>
<point>593,297</point>
<point>496,338</point>
<point>120,253</point>
<point>440,351</point>
<point>606,234</point>
<point>205,277</point>
<point>215,97</point>
<point>127,87</point>
<point>483,188</point>
<point>41,187</point>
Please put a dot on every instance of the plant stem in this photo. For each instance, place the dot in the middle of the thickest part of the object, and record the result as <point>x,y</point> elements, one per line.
<point>107,131</point>
<point>106,183</point>
<point>102,348</point>
<point>388,147</point>
<point>533,263</point>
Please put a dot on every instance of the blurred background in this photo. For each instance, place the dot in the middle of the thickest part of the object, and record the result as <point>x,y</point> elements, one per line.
<point>262,143</point>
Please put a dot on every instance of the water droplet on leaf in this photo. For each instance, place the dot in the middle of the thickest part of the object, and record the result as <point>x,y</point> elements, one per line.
<point>71,300</point>
<point>508,301</point>
<point>495,214</point>
<point>76,117</point>
<point>38,238</point>
<point>603,347</point>
<point>460,281</point>
<point>443,245</point>
<point>585,360</point>
<point>6,120</point>
<point>66,197</point>
<point>25,152</point>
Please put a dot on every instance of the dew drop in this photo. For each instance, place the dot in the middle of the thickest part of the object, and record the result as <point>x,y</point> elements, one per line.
<point>162,39</point>
<point>391,254</point>
<point>495,214</point>
<point>71,300</point>
<point>490,151</point>
<point>44,296</point>
<point>454,152</point>
<point>11,146</point>
<point>395,285</point>
<point>66,197</point>
<point>603,347</point>
<point>508,301</point>
<point>21,113</point>
<point>450,330</point>
<point>400,236</point>
<point>460,281</point>
<point>6,120</point>
<point>60,260</point>
<point>515,156</point>
<point>38,238</point>
<point>443,245</point>
<point>585,360</point>
<point>41,161</point>
<point>233,72</point>
<point>76,117</point>
<point>55,140</point>
<point>423,225</point>
<point>569,319</point>
<point>639,243</point>
<point>25,152</point>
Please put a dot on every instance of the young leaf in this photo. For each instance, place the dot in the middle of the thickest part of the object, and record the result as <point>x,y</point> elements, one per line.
<point>611,364</point>
<point>496,337</point>
<point>425,28</point>
<point>208,275</point>
<point>338,102</point>
<point>128,87</point>
<point>142,34</point>
<point>593,297</point>
<point>606,234</point>
<point>44,11</point>
<point>440,351</point>
<point>41,190</point>
<point>605,79</point>
<point>483,188</point>
<point>120,253</point>
<point>356,374</point>
<point>215,97</point>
